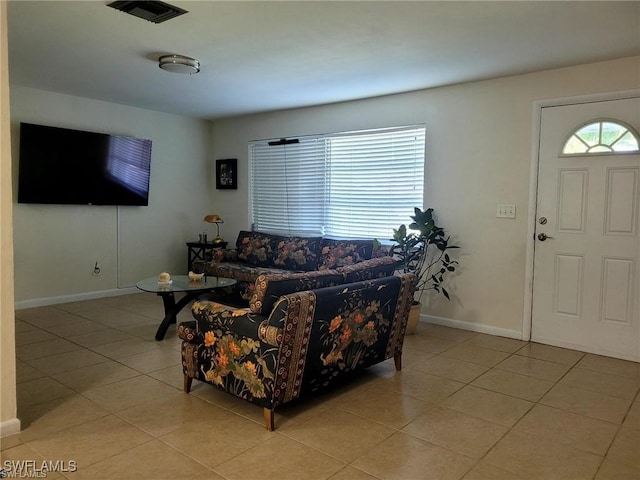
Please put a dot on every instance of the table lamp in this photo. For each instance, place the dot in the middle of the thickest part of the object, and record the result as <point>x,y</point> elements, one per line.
<point>217,220</point>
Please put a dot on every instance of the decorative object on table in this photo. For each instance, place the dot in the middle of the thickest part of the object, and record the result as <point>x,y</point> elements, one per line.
<point>423,253</point>
<point>217,220</point>
<point>227,174</point>
<point>196,277</point>
<point>164,278</point>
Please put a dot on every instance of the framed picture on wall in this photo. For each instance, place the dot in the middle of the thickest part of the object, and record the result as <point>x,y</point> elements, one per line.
<point>227,174</point>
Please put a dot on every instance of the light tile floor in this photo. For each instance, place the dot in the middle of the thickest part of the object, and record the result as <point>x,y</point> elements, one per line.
<point>96,388</point>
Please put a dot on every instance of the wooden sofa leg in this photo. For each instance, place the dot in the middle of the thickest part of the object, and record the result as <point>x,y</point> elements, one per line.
<point>269,420</point>
<point>397,359</point>
<point>187,383</point>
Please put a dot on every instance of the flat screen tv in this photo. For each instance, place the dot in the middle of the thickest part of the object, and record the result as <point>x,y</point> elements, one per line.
<point>74,167</point>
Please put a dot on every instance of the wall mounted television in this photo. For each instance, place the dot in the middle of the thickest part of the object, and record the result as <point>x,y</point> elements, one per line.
<point>74,167</point>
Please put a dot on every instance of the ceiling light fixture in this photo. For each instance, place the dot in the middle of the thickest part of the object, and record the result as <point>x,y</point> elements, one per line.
<point>179,64</point>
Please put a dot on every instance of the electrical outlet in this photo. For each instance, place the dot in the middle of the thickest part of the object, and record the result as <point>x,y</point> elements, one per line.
<point>506,211</point>
<point>97,269</point>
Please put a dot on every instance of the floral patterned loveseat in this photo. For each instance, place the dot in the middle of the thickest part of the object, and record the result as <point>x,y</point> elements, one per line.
<point>302,332</point>
<point>258,253</point>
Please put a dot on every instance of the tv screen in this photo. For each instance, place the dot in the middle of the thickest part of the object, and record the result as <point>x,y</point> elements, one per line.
<point>65,166</point>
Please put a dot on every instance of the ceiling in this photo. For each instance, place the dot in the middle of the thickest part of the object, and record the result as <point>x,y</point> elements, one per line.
<point>272,55</point>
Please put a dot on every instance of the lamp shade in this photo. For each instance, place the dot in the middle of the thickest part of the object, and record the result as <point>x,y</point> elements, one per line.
<point>179,64</point>
<point>213,219</point>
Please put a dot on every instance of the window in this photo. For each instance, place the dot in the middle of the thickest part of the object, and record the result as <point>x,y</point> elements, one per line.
<point>128,162</point>
<point>602,136</point>
<point>344,185</point>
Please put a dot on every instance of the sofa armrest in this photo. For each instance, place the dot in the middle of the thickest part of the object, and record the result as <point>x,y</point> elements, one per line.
<point>188,331</point>
<point>368,269</point>
<point>241,322</point>
<point>237,351</point>
<point>209,315</point>
<point>270,287</point>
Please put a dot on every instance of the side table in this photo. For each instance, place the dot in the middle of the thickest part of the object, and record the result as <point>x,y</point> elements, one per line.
<point>201,251</point>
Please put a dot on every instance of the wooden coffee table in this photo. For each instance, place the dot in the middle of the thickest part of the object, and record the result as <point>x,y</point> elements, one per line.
<point>179,284</point>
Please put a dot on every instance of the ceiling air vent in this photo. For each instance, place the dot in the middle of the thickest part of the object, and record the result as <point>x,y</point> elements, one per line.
<point>153,11</point>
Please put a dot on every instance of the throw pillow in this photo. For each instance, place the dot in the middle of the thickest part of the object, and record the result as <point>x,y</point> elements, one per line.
<point>341,253</point>
<point>297,253</point>
<point>255,248</point>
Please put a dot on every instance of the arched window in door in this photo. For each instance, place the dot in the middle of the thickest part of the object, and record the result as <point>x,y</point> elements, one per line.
<point>602,137</point>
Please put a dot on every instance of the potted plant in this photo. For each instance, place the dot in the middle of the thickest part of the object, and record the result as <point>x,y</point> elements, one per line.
<point>424,252</point>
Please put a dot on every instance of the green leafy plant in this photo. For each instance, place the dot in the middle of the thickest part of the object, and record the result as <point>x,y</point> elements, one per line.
<point>424,252</point>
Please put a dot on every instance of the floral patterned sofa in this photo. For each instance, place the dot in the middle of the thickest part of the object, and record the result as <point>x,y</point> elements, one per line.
<point>258,253</point>
<point>302,332</point>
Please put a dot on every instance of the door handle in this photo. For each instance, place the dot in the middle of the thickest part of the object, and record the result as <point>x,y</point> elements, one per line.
<point>543,236</point>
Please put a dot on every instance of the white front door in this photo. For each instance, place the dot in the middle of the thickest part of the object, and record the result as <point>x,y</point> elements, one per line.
<point>586,288</point>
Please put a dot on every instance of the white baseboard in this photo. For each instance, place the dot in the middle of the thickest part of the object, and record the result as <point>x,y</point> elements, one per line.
<point>76,297</point>
<point>582,348</point>
<point>9,427</point>
<point>474,327</point>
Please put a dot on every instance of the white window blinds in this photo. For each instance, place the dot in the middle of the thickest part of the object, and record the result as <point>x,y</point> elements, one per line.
<point>346,185</point>
<point>288,186</point>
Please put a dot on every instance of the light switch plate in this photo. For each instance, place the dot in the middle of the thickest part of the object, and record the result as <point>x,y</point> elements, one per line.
<point>506,211</point>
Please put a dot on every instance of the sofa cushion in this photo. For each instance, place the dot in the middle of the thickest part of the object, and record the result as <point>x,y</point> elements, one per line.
<point>340,253</point>
<point>297,253</point>
<point>368,269</point>
<point>255,248</point>
<point>269,288</point>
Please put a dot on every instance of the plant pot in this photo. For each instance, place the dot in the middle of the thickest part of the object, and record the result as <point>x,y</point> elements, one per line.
<point>414,318</point>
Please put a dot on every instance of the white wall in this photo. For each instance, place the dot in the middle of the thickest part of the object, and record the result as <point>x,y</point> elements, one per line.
<point>478,155</point>
<point>56,246</point>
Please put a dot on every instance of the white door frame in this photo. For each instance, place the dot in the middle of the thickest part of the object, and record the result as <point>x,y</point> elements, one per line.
<point>533,186</point>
